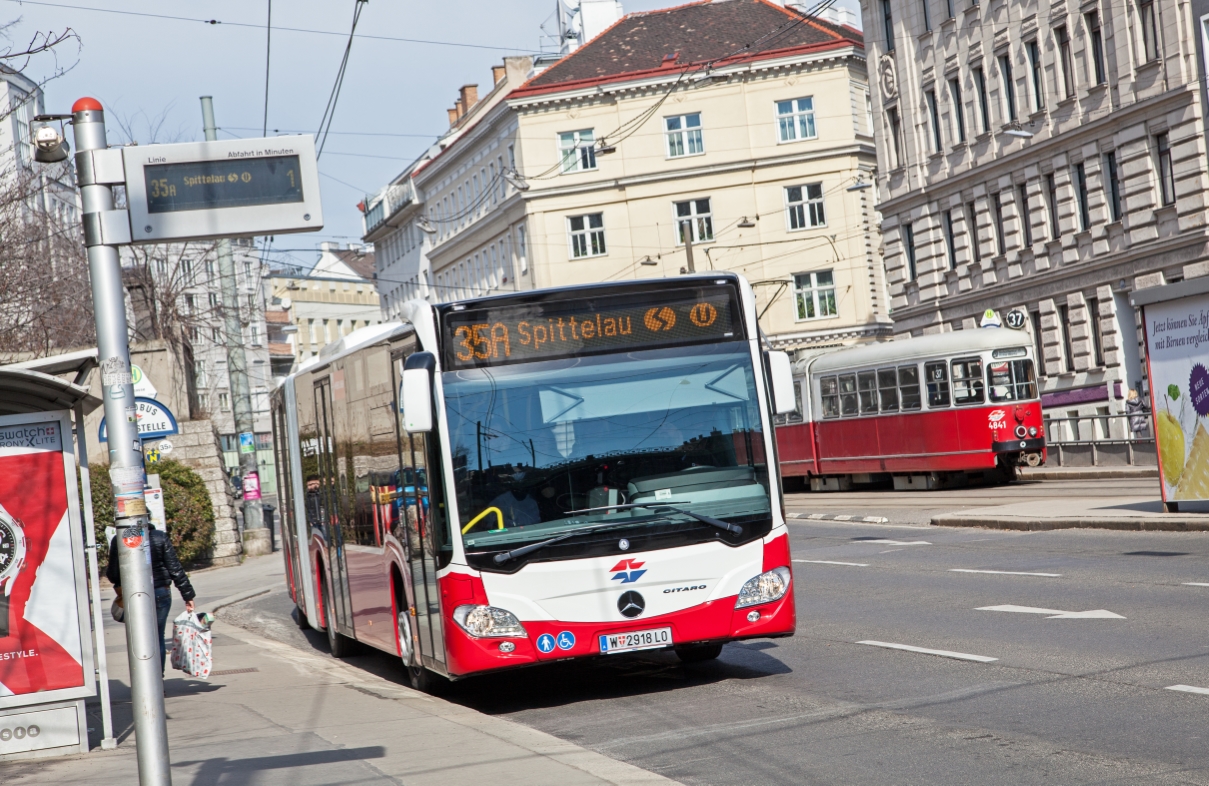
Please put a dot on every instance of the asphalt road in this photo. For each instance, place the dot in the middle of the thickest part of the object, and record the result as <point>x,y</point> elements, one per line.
<point>1064,700</point>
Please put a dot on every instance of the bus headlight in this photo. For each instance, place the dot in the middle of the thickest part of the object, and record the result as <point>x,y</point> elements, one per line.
<point>488,622</point>
<point>764,588</point>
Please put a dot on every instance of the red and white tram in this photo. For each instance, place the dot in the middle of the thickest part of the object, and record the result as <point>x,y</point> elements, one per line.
<point>925,411</point>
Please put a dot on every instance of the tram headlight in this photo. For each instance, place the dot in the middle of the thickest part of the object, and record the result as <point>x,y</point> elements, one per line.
<point>484,622</point>
<point>767,587</point>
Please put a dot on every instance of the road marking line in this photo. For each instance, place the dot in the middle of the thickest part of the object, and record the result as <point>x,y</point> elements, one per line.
<point>887,542</point>
<point>922,650</point>
<point>1006,573</point>
<point>829,562</point>
<point>1195,584</point>
<point>835,517</point>
<point>1188,689</point>
<point>1056,614</point>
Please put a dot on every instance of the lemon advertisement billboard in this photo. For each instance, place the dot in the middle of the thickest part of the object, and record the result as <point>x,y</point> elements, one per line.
<point>1177,353</point>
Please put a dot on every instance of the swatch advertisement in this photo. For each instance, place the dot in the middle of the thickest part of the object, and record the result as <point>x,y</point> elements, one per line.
<point>1177,351</point>
<point>41,648</point>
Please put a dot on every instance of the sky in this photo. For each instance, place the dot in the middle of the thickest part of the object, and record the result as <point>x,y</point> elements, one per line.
<point>149,64</point>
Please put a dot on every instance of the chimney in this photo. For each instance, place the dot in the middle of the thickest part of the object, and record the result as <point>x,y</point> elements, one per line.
<point>453,115</point>
<point>469,97</point>
<point>498,73</point>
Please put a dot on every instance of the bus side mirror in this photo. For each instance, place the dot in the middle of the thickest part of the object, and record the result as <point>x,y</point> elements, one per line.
<point>780,370</point>
<point>416,392</point>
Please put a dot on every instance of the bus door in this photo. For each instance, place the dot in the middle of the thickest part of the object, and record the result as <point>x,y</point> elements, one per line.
<point>330,503</point>
<point>423,516</point>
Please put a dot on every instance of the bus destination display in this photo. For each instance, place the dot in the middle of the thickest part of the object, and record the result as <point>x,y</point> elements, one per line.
<point>239,182</point>
<point>548,331</point>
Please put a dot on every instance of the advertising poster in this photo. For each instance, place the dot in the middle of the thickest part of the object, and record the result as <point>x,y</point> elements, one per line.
<point>41,648</point>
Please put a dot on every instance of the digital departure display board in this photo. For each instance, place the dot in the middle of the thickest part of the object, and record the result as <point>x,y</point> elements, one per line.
<point>588,326</point>
<point>201,185</point>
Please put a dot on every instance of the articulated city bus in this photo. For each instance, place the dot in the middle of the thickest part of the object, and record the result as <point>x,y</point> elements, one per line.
<point>538,476</point>
<point>924,412</point>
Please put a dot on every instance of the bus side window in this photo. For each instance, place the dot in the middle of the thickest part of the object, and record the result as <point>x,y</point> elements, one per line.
<point>848,394</point>
<point>829,391</point>
<point>887,384</point>
<point>867,382</point>
<point>937,375</point>
<point>908,387</point>
<point>967,381</point>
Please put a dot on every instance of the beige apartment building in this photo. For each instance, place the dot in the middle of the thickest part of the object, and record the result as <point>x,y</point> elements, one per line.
<point>658,132</point>
<point>1046,157</point>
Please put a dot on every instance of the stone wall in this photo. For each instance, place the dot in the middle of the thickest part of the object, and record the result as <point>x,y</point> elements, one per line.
<point>197,446</point>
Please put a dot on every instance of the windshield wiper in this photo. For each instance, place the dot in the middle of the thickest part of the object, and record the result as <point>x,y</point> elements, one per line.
<point>660,507</point>
<point>504,556</point>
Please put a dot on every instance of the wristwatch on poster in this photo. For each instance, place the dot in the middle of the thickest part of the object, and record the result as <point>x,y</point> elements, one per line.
<point>12,559</point>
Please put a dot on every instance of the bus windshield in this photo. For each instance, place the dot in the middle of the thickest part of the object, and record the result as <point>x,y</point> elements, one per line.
<point>542,448</point>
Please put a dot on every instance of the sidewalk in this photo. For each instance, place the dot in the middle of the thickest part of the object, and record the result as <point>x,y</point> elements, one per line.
<point>1121,513</point>
<point>275,714</point>
<point>1088,473</point>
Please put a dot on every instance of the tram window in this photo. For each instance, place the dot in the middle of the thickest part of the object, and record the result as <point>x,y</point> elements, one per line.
<point>829,389</point>
<point>937,375</point>
<point>887,384</point>
<point>908,387</point>
<point>848,394</point>
<point>1011,380</point>
<point>967,381</point>
<point>867,382</point>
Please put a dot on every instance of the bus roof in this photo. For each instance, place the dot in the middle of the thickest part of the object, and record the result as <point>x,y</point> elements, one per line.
<point>361,337</point>
<point>918,348</point>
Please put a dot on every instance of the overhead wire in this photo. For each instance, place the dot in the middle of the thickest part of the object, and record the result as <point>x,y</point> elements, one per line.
<point>329,112</point>
<point>268,49</point>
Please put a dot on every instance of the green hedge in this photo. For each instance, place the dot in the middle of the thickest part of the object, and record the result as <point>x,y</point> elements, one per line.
<point>186,506</point>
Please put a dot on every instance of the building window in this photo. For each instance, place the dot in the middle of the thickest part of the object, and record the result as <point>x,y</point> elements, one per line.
<point>923,7</point>
<point>576,148</point>
<point>522,249</point>
<point>997,209</point>
<point>1081,197</point>
<point>587,235</point>
<point>199,373</point>
<point>934,117</point>
<point>909,249</point>
<point>190,303</point>
<point>216,335</point>
<point>254,330</point>
<point>1035,69</point>
<point>949,8</point>
<point>1009,89</point>
<point>1035,319</point>
<point>1026,214</point>
<point>805,204</point>
<point>1097,338</point>
<point>984,109</point>
<point>972,229</point>
<point>1064,61</point>
<point>1150,29</point>
<point>950,239</point>
<point>23,109</point>
<point>1166,174</point>
<point>1097,46</point>
<point>888,25</point>
<point>213,300</point>
<point>696,214</point>
<point>959,118</point>
<point>684,135</point>
<point>795,119</point>
<point>1068,352</point>
<point>1112,183</point>
<point>896,136</point>
<point>814,294</point>
<point>224,402</point>
<point>1051,193</point>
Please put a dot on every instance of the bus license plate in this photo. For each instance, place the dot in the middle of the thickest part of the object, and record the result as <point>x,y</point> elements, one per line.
<point>635,640</point>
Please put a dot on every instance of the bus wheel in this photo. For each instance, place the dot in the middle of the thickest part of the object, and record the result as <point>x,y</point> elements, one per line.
<point>406,645</point>
<point>338,645</point>
<point>696,653</point>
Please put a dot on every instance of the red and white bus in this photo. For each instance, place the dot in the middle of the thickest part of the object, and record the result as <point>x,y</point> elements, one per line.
<point>924,411</point>
<point>538,476</point>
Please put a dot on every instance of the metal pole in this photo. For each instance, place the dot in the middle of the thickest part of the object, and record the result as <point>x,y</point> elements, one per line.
<point>108,741</point>
<point>237,361</point>
<point>688,245</point>
<point>125,458</point>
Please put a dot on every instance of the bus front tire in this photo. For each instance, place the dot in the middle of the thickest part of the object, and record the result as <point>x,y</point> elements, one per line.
<point>696,653</point>
<point>338,645</point>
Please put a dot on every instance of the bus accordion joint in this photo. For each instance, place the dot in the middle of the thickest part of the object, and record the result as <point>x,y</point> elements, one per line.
<point>499,517</point>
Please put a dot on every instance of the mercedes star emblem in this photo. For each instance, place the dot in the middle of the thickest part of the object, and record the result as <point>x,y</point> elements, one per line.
<point>631,604</point>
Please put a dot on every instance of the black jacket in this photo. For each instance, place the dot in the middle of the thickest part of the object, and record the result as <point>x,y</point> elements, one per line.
<point>166,567</point>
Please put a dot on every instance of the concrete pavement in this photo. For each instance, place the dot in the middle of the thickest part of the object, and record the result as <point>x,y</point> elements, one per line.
<point>272,713</point>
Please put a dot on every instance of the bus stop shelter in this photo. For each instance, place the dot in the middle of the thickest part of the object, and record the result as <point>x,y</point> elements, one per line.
<point>52,651</point>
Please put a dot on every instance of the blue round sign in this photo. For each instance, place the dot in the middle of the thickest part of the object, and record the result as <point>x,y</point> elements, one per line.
<point>566,640</point>
<point>545,643</point>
